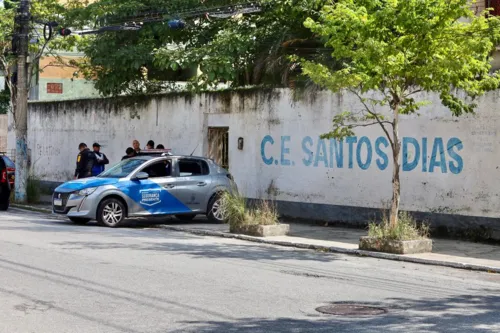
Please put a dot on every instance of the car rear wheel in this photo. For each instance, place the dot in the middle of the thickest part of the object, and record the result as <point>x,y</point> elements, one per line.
<point>79,220</point>
<point>216,211</point>
<point>111,213</point>
<point>189,217</point>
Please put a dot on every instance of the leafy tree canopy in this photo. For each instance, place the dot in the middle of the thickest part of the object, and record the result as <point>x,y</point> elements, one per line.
<point>249,49</point>
<point>399,48</point>
<point>41,11</point>
<point>402,47</point>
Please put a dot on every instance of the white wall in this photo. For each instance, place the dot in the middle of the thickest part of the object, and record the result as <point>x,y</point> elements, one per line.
<point>461,180</point>
<point>3,132</point>
<point>459,175</point>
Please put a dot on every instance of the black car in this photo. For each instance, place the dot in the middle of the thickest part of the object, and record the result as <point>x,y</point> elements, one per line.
<point>7,179</point>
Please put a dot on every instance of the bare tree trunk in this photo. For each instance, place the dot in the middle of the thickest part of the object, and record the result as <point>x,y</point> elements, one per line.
<point>396,185</point>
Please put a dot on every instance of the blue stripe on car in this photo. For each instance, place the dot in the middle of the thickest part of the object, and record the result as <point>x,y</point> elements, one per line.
<point>152,197</point>
<point>148,194</point>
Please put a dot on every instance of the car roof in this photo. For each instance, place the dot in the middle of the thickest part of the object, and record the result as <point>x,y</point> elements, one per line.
<point>153,156</point>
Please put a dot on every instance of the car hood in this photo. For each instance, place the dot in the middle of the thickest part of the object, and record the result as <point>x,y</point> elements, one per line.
<point>80,184</point>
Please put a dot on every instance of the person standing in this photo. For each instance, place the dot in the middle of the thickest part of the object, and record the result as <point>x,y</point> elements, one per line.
<point>137,146</point>
<point>100,160</point>
<point>84,162</point>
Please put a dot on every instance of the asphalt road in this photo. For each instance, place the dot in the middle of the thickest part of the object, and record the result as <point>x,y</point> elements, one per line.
<point>58,277</point>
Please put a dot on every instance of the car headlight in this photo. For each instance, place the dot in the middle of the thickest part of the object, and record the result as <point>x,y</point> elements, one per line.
<point>87,191</point>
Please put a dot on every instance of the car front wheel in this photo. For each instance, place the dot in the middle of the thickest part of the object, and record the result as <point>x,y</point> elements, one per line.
<point>111,213</point>
<point>216,211</point>
<point>79,220</point>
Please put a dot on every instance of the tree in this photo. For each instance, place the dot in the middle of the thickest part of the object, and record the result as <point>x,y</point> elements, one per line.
<point>42,12</point>
<point>242,50</point>
<point>391,50</point>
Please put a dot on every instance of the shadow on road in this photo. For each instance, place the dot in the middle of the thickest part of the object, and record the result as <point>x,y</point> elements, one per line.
<point>210,250</point>
<point>463,313</point>
<point>160,240</point>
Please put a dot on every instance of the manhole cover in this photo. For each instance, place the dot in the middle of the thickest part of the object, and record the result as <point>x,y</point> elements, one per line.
<point>351,310</point>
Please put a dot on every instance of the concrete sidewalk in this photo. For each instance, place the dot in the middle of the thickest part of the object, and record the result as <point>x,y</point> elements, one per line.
<point>450,253</point>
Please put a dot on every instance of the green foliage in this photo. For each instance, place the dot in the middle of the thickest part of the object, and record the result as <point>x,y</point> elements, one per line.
<point>33,189</point>
<point>41,11</point>
<point>250,49</point>
<point>406,229</point>
<point>238,213</point>
<point>401,48</point>
<point>4,101</point>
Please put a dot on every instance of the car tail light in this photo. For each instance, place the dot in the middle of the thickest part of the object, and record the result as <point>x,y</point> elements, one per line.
<point>4,176</point>
<point>11,180</point>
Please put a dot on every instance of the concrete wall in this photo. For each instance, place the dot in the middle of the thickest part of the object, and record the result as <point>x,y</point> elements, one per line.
<point>450,166</point>
<point>3,132</point>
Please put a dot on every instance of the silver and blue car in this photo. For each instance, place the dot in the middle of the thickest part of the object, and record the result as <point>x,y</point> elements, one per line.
<point>184,186</point>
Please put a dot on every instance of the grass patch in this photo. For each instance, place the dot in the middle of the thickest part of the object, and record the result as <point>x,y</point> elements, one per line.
<point>407,228</point>
<point>239,213</point>
<point>33,190</point>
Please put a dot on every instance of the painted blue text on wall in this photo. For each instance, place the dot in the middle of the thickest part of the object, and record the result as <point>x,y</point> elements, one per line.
<point>424,154</point>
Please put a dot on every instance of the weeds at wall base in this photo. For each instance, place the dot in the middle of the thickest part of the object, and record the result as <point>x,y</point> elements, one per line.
<point>240,213</point>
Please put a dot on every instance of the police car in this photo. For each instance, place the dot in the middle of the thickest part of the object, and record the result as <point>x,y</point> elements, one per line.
<point>148,185</point>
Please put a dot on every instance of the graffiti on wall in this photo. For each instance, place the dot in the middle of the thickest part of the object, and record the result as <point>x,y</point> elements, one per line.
<point>423,154</point>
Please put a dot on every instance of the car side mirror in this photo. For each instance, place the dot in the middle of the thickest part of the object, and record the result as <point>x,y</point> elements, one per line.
<point>141,176</point>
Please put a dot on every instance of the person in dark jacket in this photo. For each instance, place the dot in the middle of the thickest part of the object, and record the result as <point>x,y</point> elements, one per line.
<point>130,153</point>
<point>100,160</point>
<point>84,162</point>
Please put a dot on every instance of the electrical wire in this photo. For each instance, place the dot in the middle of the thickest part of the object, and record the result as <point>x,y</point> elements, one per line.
<point>152,16</point>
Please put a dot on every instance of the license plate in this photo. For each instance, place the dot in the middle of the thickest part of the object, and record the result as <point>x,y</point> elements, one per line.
<point>57,202</point>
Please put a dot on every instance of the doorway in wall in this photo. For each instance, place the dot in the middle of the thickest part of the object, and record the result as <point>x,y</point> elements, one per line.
<point>218,145</point>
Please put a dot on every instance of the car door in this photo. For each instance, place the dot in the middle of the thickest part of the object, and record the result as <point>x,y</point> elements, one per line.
<point>156,195</point>
<point>193,183</point>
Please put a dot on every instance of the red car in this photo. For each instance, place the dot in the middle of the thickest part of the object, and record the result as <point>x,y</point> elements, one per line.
<point>7,178</point>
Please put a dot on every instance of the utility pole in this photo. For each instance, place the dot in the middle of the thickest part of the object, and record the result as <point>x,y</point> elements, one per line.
<point>21,106</point>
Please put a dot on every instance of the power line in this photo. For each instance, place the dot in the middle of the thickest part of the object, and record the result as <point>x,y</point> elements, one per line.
<point>176,21</point>
<point>158,16</point>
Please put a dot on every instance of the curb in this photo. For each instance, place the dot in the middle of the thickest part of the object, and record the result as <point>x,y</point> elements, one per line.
<point>31,208</point>
<point>356,252</point>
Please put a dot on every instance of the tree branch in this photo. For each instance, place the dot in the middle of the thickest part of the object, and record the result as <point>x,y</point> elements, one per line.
<point>413,92</point>
<point>370,124</point>
<point>375,115</point>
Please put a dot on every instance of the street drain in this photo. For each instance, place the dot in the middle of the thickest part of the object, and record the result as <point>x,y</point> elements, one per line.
<point>347,309</point>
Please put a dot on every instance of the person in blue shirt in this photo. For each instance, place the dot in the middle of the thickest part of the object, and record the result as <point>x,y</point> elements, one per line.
<point>100,160</point>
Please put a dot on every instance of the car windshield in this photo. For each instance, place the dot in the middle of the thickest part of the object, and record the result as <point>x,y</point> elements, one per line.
<point>123,169</point>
